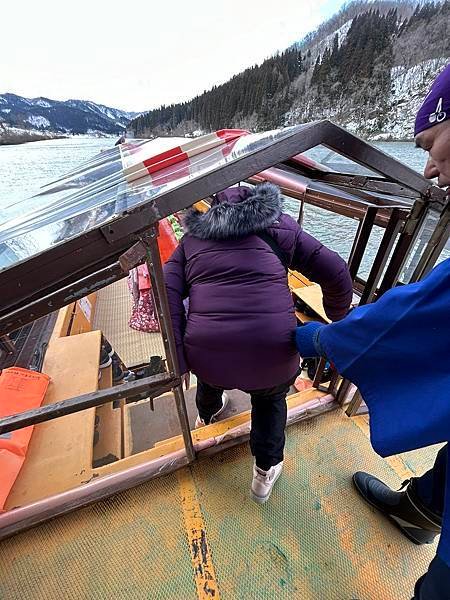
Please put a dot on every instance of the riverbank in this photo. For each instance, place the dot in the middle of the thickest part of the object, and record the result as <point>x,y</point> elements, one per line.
<point>13,137</point>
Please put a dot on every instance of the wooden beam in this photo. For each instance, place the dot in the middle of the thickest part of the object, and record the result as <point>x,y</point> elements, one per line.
<point>213,430</point>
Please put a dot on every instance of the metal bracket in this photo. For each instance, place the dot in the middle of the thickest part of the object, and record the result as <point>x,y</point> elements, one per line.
<point>131,223</point>
<point>359,180</point>
<point>436,197</point>
<point>7,343</point>
<point>152,232</point>
<point>132,257</point>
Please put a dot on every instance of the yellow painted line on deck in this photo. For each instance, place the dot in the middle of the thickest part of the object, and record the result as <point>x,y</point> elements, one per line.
<point>205,577</point>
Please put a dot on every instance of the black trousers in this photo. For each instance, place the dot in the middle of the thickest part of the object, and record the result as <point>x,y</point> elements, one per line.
<point>435,584</point>
<point>269,413</point>
<point>430,488</point>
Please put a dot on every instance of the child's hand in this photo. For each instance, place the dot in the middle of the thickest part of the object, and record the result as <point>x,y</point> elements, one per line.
<point>186,380</point>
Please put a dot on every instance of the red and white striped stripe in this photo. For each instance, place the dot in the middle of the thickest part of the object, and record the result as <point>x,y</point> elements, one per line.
<point>139,164</point>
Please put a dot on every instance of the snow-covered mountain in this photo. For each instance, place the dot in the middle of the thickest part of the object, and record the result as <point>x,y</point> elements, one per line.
<point>64,117</point>
<point>381,105</point>
<point>395,119</point>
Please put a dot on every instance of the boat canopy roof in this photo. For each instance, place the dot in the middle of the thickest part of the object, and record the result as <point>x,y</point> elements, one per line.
<point>68,237</point>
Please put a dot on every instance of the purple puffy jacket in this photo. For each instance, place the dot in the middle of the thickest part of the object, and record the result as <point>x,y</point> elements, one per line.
<point>239,333</point>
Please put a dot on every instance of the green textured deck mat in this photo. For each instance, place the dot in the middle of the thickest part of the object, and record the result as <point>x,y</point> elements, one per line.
<point>314,539</point>
<point>132,545</point>
<point>419,461</point>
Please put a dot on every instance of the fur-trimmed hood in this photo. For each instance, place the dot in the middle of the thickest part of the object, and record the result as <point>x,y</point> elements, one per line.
<point>236,212</point>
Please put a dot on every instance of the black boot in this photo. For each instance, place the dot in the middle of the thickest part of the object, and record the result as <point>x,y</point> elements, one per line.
<point>403,508</point>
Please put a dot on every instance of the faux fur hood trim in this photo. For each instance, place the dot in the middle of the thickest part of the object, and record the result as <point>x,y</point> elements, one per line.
<point>226,220</point>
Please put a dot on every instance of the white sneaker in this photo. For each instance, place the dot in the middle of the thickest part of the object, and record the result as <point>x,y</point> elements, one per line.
<point>263,482</point>
<point>201,423</point>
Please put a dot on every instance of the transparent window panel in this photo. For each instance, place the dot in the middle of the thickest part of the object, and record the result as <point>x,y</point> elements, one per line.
<point>337,232</point>
<point>372,248</point>
<point>406,153</point>
<point>420,244</point>
<point>93,195</point>
<point>444,254</point>
<point>336,162</point>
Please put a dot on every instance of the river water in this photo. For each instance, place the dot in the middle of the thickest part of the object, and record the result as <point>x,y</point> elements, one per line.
<point>27,167</point>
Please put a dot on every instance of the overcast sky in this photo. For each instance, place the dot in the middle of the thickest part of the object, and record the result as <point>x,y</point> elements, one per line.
<point>138,54</point>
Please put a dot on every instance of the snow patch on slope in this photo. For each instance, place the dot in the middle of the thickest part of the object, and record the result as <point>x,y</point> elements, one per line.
<point>327,42</point>
<point>408,90</point>
<point>38,121</point>
<point>42,103</point>
<point>409,87</point>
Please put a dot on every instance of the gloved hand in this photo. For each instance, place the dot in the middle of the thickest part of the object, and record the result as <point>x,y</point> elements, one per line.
<point>306,339</point>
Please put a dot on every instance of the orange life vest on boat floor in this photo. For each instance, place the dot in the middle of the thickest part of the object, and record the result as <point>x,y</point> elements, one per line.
<point>20,390</point>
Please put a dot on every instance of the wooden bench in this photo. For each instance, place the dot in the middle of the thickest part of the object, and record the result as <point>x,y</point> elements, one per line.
<point>60,453</point>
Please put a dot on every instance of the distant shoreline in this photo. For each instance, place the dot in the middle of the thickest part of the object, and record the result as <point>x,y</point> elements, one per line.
<point>14,139</point>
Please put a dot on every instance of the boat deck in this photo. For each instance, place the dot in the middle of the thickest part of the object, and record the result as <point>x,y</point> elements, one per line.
<point>197,534</point>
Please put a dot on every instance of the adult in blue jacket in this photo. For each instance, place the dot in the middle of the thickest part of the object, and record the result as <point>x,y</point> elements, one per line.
<point>389,334</point>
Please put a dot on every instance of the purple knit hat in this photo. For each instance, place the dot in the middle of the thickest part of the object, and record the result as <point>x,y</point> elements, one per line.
<point>436,106</point>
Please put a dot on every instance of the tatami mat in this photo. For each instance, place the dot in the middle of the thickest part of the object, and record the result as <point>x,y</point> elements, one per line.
<point>113,309</point>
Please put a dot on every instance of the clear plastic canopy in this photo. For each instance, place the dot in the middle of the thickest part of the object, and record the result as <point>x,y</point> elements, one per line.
<point>116,181</point>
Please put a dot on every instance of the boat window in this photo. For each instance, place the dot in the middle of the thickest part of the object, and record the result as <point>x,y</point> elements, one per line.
<point>337,232</point>
<point>336,162</point>
<point>445,253</point>
<point>333,230</point>
<point>376,235</point>
<point>421,242</point>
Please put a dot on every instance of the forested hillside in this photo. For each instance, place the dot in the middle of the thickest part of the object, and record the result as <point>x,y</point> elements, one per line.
<point>366,68</point>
